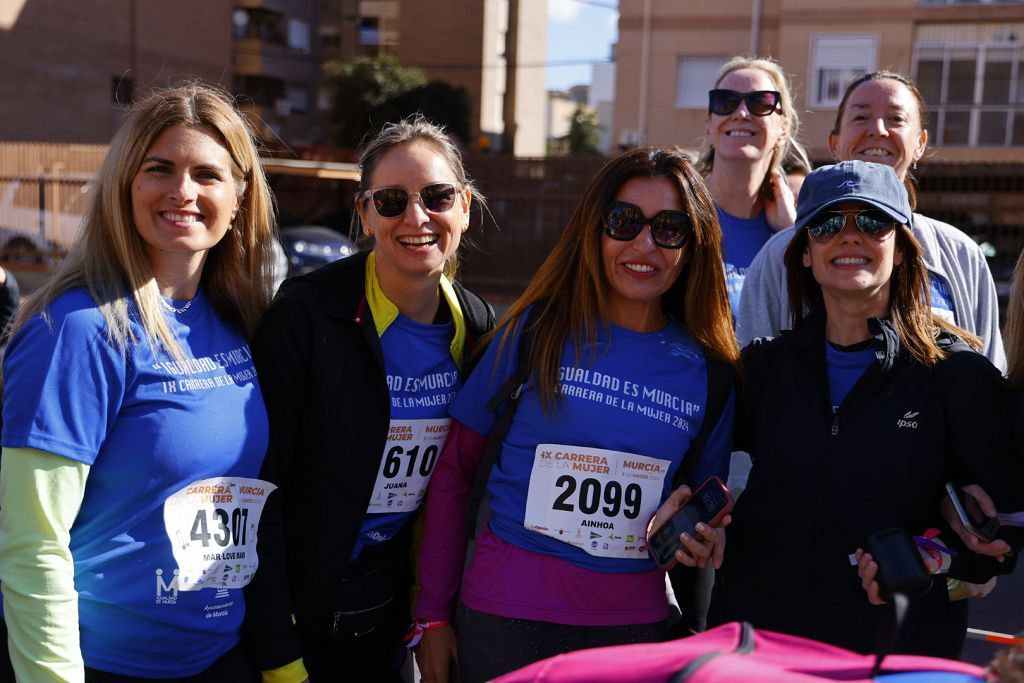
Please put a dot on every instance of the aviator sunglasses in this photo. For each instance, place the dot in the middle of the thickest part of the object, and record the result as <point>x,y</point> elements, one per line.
<point>759,102</point>
<point>391,201</point>
<point>874,223</point>
<point>669,229</point>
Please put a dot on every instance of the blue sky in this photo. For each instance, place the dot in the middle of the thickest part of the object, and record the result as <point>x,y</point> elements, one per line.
<point>578,32</point>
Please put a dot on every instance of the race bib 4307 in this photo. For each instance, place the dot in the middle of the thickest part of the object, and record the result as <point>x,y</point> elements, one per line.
<point>594,499</point>
<point>212,525</point>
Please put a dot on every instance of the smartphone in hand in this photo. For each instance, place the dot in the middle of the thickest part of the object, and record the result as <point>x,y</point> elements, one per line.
<point>709,504</point>
<point>971,516</point>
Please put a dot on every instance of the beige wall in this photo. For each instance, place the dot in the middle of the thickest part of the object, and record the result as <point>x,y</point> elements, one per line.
<point>787,27</point>
<point>446,44</point>
<point>462,46</point>
<point>531,92</point>
<point>60,56</point>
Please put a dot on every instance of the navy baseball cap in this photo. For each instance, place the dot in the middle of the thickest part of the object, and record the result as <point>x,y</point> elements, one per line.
<point>862,181</point>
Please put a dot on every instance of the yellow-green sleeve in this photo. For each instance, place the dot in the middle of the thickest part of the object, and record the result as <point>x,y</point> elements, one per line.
<point>40,495</point>
<point>289,673</point>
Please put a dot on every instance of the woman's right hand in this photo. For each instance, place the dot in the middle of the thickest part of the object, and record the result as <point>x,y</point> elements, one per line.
<point>435,654</point>
<point>780,210</point>
<point>997,548</point>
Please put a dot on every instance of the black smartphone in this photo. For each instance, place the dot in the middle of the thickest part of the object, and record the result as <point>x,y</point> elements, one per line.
<point>971,516</point>
<point>709,504</point>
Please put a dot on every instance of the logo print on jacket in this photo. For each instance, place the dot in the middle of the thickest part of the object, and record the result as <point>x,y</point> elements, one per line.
<point>908,420</point>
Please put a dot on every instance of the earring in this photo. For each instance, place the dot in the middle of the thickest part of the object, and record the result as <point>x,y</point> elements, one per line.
<point>914,167</point>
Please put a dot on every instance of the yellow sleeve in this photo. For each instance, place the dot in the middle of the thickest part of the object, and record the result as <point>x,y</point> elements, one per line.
<point>40,495</point>
<point>289,673</point>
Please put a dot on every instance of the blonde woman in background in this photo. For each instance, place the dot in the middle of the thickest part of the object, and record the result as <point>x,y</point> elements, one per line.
<point>751,128</point>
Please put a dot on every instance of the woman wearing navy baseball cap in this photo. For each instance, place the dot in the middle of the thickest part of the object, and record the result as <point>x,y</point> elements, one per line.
<point>854,420</point>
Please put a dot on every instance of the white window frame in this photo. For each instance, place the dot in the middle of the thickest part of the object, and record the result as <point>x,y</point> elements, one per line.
<point>815,67</point>
<point>938,110</point>
<point>298,36</point>
<point>696,97</point>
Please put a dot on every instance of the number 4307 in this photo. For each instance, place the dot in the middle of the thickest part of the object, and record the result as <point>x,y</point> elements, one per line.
<point>230,528</point>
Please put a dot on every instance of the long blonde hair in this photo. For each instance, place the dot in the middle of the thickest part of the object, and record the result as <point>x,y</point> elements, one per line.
<point>414,128</point>
<point>790,147</point>
<point>571,284</point>
<point>109,256</point>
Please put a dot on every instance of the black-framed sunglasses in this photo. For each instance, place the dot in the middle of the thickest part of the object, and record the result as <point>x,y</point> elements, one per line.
<point>759,102</point>
<point>392,201</point>
<point>874,223</point>
<point>669,229</point>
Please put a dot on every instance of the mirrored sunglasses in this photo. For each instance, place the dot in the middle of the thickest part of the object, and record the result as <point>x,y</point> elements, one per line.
<point>669,229</point>
<point>759,102</point>
<point>874,223</point>
<point>392,201</point>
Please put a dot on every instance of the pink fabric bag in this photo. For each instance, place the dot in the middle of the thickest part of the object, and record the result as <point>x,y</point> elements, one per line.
<point>737,653</point>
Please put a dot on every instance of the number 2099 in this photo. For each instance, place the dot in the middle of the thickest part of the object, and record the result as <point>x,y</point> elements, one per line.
<point>591,496</point>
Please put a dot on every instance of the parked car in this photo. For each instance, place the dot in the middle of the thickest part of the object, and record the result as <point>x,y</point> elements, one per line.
<point>308,247</point>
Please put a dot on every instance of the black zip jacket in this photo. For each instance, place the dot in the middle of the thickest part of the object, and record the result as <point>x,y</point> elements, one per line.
<point>822,483</point>
<point>322,373</point>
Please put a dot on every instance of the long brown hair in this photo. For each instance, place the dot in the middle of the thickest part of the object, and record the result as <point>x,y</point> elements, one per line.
<point>109,258</point>
<point>571,284</point>
<point>1015,325</point>
<point>909,306</point>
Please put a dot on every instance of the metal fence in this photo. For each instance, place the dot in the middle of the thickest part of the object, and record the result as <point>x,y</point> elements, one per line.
<point>43,190</point>
<point>530,202</point>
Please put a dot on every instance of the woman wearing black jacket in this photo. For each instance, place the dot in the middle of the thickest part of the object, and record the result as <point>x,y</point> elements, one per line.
<point>358,362</point>
<point>855,419</point>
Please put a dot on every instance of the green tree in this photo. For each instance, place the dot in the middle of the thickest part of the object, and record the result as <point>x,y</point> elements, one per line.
<point>360,88</point>
<point>583,133</point>
<point>371,91</point>
<point>440,102</point>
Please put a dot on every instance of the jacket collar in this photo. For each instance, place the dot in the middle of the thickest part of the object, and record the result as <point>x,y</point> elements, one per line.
<point>809,336</point>
<point>384,311</point>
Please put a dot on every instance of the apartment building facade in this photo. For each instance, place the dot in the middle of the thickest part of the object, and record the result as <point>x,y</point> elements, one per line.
<point>461,42</point>
<point>967,57</point>
<point>70,67</point>
<point>276,66</point>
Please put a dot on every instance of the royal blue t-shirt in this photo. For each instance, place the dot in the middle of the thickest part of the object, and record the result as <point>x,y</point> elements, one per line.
<point>942,298</point>
<point>742,238</point>
<point>149,427</point>
<point>422,379</point>
<point>638,393</point>
<point>845,367</point>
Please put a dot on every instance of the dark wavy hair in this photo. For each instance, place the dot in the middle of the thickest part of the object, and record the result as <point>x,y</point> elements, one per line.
<point>572,284</point>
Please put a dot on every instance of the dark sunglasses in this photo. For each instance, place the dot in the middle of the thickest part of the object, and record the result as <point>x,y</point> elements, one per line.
<point>759,102</point>
<point>874,223</point>
<point>392,201</point>
<point>669,229</point>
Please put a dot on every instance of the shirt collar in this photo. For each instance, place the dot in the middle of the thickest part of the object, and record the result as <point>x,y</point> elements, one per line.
<point>384,311</point>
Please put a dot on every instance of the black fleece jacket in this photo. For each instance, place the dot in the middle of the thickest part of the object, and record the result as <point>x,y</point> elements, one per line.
<point>322,373</point>
<point>822,483</point>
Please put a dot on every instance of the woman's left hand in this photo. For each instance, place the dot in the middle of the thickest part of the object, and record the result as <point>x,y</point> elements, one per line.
<point>708,546</point>
<point>780,211</point>
<point>867,570</point>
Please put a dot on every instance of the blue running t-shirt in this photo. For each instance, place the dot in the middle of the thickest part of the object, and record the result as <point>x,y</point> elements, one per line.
<point>170,444</point>
<point>627,411</point>
<point>422,379</point>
